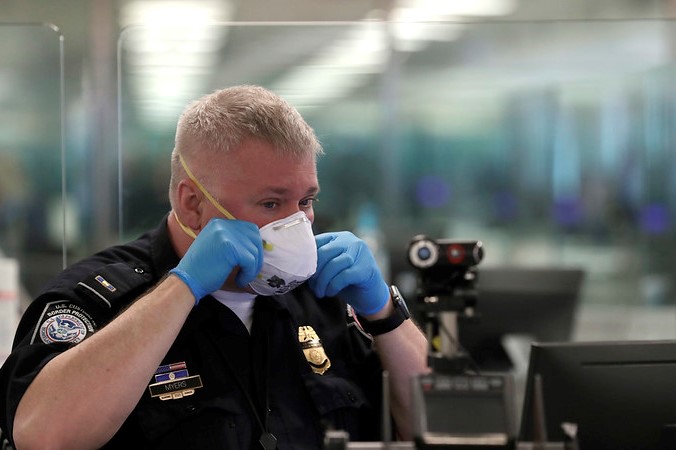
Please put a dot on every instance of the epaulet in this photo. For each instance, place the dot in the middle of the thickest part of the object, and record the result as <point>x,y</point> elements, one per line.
<point>109,283</point>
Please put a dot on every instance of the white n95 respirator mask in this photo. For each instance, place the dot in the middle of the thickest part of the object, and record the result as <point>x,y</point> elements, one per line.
<point>289,255</point>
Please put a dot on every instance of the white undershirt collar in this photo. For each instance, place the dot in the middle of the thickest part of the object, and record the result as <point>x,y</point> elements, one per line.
<point>241,303</point>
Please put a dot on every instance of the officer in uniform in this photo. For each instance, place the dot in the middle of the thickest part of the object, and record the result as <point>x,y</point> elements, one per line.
<point>203,333</point>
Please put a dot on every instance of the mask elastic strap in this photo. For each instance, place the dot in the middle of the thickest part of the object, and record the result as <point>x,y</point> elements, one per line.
<point>184,227</point>
<point>204,191</point>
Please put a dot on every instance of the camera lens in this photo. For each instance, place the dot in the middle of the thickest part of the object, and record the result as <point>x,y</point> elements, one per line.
<point>423,253</point>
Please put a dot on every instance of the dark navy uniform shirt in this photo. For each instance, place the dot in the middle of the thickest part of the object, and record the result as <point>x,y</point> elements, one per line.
<point>219,384</point>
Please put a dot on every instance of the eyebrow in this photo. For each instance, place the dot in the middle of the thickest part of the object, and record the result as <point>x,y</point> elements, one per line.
<point>282,191</point>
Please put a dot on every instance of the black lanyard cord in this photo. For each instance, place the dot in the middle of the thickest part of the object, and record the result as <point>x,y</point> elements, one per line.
<point>267,440</point>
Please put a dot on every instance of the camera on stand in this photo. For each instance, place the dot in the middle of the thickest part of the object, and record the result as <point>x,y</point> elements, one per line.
<point>445,292</point>
<point>454,406</point>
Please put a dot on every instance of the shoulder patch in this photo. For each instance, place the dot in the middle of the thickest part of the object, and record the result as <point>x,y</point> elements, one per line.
<point>63,322</point>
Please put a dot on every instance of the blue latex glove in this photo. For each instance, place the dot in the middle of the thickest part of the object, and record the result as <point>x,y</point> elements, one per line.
<point>220,247</point>
<point>346,269</point>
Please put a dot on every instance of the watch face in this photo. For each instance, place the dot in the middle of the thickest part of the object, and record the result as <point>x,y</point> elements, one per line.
<point>403,306</point>
<point>399,301</point>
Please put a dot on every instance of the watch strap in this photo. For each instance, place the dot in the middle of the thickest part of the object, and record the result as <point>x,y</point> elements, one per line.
<point>391,322</point>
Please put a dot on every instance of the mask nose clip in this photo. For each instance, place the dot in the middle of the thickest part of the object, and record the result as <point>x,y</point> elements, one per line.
<point>292,223</point>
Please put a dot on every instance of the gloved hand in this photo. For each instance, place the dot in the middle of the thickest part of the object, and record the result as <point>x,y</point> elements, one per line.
<point>219,248</point>
<point>346,269</point>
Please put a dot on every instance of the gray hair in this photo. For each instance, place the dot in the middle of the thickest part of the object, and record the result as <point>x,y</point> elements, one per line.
<point>219,122</point>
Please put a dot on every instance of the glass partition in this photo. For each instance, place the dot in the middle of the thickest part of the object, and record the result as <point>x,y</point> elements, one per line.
<point>549,141</point>
<point>32,207</point>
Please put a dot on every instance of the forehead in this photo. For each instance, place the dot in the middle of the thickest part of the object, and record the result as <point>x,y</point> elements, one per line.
<point>259,165</point>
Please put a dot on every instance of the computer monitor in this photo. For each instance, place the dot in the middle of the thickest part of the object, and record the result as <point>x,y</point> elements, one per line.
<point>537,302</point>
<point>621,395</point>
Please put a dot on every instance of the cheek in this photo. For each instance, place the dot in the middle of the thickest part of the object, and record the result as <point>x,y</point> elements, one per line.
<point>250,214</point>
<point>260,223</point>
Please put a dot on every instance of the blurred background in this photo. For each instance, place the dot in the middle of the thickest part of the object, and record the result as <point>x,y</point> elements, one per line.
<point>545,129</point>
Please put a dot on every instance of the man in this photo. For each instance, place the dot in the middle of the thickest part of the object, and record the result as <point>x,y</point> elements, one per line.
<point>203,333</point>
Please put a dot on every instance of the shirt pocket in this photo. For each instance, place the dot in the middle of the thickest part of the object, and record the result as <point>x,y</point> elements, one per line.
<point>341,403</point>
<point>190,424</point>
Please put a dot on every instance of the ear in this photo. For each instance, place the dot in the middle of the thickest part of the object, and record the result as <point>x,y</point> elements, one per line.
<point>188,204</point>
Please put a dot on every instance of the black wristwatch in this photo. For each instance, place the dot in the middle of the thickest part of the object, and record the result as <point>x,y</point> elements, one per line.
<point>389,323</point>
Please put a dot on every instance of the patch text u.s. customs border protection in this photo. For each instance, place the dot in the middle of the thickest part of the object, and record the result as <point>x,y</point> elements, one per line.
<point>63,322</point>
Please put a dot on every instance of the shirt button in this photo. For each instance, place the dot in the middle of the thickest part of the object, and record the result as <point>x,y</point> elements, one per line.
<point>190,409</point>
<point>352,397</point>
<point>139,270</point>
